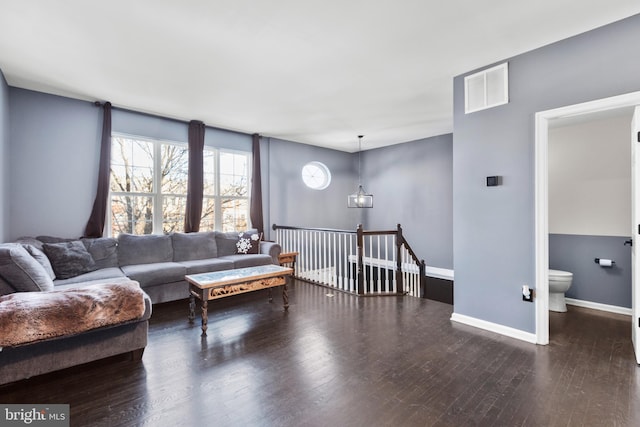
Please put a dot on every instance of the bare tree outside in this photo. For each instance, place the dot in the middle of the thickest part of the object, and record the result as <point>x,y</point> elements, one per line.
<point>134,199</point>
<point>131,173</point>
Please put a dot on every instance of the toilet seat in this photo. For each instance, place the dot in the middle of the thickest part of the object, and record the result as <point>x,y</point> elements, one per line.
<point>560,276</point>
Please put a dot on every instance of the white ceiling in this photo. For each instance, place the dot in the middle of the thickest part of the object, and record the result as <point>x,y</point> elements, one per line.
<point>319,72</point>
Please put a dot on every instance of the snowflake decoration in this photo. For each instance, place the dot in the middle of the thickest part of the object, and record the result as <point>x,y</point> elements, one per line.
<point>244,245</point>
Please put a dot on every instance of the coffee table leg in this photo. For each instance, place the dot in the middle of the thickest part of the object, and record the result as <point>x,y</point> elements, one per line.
<point>192,308</point>
<point>205,318</point>
<point>285,296</point>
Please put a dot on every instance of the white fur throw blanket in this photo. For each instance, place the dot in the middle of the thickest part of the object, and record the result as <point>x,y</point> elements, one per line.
<point>27,317</point>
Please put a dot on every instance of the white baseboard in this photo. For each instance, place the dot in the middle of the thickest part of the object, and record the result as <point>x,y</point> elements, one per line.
<point>597,306</point>
<point>494,327</point>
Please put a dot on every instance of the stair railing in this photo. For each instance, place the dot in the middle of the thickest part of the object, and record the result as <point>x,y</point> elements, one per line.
<point>361,262</point>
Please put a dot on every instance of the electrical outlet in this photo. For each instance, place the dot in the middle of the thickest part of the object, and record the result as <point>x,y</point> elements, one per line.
<point>527,293</point>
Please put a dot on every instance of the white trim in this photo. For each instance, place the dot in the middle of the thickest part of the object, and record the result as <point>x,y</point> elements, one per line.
<point>439,273</point>
<point>542,229</point>
<point>542,119</point>
<point>494,327</point>
<point>598,306</point>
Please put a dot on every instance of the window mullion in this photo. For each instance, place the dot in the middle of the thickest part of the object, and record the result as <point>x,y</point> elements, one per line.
<point>216,197</point>
<point>157,188</point>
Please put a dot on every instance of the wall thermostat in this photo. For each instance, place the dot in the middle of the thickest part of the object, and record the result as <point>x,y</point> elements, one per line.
<point>493,181</point>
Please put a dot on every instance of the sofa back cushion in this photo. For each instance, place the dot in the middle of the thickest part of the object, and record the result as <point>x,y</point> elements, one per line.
<point>226,243</point>
<point>104,251</point>
<point>145,249</point>
<point>21,271</point>
<point>191,246</point>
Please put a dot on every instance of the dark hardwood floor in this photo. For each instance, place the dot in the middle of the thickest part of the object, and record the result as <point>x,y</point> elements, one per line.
<point>346,361</point>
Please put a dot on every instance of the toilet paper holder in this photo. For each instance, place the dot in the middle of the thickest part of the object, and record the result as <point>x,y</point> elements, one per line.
<point>604,263</point>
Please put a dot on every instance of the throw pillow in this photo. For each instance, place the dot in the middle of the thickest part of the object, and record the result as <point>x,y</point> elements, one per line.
<point>40,256</point>
<point>69,259</point>
<point>248,243</point>
<point>21,271</point>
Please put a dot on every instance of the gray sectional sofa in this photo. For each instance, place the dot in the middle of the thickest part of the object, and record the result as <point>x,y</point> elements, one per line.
<point>158,263</point>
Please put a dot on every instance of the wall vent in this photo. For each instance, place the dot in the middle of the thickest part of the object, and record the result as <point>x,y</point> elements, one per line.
<point>487,88</point>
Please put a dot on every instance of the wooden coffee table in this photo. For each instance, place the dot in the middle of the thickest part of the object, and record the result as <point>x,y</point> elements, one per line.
<point>220,284</point>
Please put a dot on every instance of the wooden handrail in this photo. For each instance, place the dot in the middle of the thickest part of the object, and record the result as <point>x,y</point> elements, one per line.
<point>330,230</point>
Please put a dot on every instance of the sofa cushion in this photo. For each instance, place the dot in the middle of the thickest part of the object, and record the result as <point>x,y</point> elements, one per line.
<point>190,246</point>
<point>226,243</point>
<point>156,273</point>
<point>69,259</point>
<point>26,240</point>
<point>198,266</point>
<point>63,284</point>
<point>53,239</point>
<point>249,242</point>
<point>103,250</point>
<point>100,274</point>
<point>5,288</point>
<point>20,270</point>
<point>146,249</point>
<point>241,261</point>
<point>42,258</point>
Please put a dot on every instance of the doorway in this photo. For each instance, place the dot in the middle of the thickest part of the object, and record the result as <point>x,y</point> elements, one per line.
<point>542,122</point>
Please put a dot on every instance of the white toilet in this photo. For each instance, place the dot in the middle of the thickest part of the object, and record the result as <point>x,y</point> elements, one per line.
<point>559,283</point>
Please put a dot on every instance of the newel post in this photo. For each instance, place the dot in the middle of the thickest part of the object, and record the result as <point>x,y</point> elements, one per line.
<point>399,243</point>
<point>423,279</point>
<point>360,274</point>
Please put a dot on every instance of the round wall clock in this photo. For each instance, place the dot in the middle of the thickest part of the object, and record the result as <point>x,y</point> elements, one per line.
<point>316,175</point>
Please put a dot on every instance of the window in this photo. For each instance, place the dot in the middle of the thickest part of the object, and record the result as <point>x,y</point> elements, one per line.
<point>150,176</point>
<point>316,175</point>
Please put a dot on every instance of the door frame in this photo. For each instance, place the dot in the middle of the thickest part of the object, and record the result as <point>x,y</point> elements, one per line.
<point>542,119</point>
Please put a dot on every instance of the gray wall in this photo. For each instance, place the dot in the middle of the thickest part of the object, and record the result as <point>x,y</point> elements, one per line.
<point>494,227</point>
<point>591,282</point>
<point>4,158</point>
<point>294,204</point>
<point>54,161</point>
<point>55,146</point>
<point>412,184</point>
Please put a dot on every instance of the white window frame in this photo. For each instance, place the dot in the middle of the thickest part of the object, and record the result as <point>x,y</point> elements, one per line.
<point>157,195</point>
<point>217,198</point>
